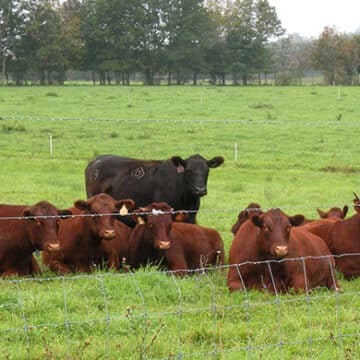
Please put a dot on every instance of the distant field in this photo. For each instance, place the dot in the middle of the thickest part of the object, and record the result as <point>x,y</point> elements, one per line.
<point>297,149</point>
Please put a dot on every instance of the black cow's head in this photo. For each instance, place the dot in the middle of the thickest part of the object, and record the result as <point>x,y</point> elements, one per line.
<point>196,171</point>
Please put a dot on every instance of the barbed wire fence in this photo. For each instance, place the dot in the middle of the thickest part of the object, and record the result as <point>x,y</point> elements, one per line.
<point>157,315</point>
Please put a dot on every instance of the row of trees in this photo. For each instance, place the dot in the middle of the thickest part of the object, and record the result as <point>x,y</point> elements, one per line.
<point>179,39</point>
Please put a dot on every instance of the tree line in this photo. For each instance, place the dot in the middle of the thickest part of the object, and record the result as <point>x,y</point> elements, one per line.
<point>179,40</point>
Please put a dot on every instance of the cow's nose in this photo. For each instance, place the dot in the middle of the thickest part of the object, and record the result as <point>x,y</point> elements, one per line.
<point>164,245</point>
<point>52,247</point>
<point>201,191</point>
<point>281,250</point>
<point>109,234</point>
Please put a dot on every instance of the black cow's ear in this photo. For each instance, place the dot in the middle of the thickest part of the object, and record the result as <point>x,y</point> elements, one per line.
<point>296,220</point>
<point>257,220</point>
<point>345,210</point>
<point>215,162</point>
<point>82,205</point>
<point>179,163</point>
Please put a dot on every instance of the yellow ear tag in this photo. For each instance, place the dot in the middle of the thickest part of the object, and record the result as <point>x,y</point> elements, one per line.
<point>123,211</point>
<point>140,220</point>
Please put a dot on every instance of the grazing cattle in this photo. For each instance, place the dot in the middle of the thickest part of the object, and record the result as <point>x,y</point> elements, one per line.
<point>263,237</point>
<point>334,212</point>
<point>252,208</point>
<point>356,203</point>
<point>81,237</point>
<point>178,182</point>
<point>176,245</point>
<point>19,238</point>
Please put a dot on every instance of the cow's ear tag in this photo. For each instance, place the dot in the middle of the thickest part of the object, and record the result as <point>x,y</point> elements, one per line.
<point>123,211</point>
<point>140,220</point>
<point>180,169</point>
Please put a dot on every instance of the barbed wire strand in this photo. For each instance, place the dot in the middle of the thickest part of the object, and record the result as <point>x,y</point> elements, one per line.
<point>191,121</point>
<point>213,308</point>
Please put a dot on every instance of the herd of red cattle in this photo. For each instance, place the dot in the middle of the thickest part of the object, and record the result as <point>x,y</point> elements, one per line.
<point>270,249</point>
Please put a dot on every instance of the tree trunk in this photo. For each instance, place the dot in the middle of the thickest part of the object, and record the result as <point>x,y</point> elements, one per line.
<point>194,78</point>
<point>108,77</point>
<point>178,81</point>
<point>245,78</point>
<point>223,79</point>
<point>169,79</point>
<point>3,70</point>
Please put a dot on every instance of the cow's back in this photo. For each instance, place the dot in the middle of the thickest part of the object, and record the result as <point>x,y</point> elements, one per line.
<point>199,246</point>
<point>346,240</point>
<point>144,181</point>
<point>316,266</point>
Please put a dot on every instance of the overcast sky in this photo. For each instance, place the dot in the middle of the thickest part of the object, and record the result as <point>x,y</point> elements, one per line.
<point>309,17</point>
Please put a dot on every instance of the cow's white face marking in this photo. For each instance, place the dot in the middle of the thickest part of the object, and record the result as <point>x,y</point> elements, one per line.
<point>138,173</point>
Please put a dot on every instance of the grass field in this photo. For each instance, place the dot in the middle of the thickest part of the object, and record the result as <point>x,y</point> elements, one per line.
<point>297,150</point>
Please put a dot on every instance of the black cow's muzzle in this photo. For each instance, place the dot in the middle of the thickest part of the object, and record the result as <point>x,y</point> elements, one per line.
<point>200,191</point>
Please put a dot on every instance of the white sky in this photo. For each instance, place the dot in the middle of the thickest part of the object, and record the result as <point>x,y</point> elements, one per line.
<point>309,17</point>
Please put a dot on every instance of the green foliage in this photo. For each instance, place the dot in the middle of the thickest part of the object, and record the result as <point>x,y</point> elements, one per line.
<point>297,163</point>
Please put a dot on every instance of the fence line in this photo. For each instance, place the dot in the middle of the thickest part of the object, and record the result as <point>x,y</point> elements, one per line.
<point>156,212</point>
<point>208,309</point>
<point>192,121</point>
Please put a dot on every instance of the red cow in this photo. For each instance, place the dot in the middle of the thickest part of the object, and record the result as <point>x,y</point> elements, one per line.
<point>19,238</point>
<point>179,246</point>
<point>334,212</point>
<point>263,237</point>
<point>115,251</point>
<point>342,238</point>
<point>316,266</point>
<point>81,236</point>
<point>345,241</point>
<point>252,208</point>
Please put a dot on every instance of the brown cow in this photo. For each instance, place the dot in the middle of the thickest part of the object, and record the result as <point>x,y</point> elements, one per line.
<point>178,246</point>
<point>316,266</point>
<point>342,238</point>
<point>252,208</point>
<point>81,236</point>
<point>334,212</point>
<point>19,238</point>
<point>345,240</point>
<point>263,237</point>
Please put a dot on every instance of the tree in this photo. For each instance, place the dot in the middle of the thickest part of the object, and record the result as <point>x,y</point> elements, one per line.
<point>10,31</point>
<point>249,26</point>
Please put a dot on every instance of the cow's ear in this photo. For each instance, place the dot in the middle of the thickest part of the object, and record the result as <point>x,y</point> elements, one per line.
<point>257,220</point>
<point>179,163</point>
<point>345,210</point>
<point>321,213</point>
<point>296,220</point>
<point>82,205</point>
<point>124,206</point>
<point>215,162</point>
<point>181,216</point>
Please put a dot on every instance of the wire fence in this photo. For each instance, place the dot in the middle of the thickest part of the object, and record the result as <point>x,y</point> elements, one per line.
<point>157,315</point>
<point>192,121</point>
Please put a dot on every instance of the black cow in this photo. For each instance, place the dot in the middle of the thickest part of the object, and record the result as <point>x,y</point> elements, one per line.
<point>176,181</point>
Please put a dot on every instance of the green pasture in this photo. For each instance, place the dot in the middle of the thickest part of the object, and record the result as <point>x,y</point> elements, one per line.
<point>297,149</point>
